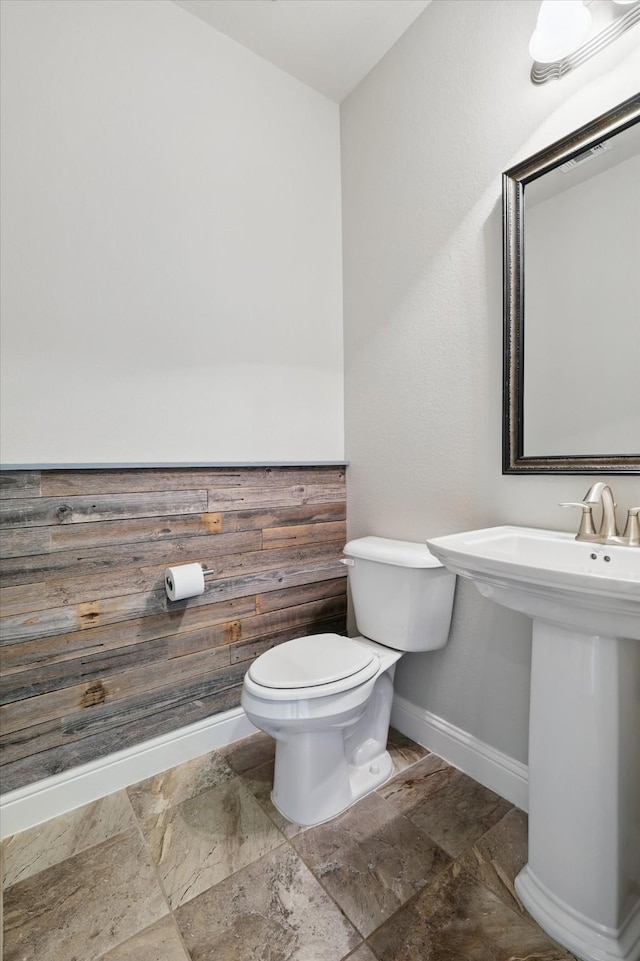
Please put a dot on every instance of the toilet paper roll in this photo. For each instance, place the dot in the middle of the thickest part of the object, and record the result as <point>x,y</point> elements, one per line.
<point>184,581</point>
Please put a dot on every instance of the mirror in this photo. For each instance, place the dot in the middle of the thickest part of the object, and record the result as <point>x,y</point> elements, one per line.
<point>571,381</point>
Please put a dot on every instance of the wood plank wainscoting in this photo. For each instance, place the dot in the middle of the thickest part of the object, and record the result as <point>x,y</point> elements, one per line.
<point>95,658</point>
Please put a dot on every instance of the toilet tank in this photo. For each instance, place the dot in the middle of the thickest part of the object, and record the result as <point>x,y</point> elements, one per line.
<point>402,595</point>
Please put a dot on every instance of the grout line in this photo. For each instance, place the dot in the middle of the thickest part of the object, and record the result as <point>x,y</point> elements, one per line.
<point>154,867</point>
<point>318,881</point>
<point>156,873</point>
<point>414,897</point>
<point>238,778</point>
<point>82,850</point>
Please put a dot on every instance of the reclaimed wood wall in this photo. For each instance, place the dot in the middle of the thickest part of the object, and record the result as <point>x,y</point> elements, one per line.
<point>94,657</point>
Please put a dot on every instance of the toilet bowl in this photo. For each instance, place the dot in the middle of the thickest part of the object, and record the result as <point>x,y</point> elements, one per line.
<point>326,699</point>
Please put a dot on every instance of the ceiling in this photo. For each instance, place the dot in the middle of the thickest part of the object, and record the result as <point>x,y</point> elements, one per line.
<point>328,44</point>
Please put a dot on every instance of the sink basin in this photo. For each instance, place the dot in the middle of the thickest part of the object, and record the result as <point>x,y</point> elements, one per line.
<point>550,574</point>
<point>582,879</point>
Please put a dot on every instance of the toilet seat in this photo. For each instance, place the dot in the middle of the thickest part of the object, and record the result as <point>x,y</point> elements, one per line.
<point>313,666</point>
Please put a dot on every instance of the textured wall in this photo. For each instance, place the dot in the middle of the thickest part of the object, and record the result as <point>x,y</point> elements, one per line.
<point>425,138</point>
<point>95,658</point>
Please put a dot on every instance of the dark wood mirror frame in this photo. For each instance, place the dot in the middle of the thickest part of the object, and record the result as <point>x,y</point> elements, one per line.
<point>513,183</point>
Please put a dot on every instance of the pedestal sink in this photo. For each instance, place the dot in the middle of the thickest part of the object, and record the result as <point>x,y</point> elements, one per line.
<point>582,879</point>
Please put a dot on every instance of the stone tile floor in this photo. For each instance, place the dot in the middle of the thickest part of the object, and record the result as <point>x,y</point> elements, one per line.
<point>196,864</point>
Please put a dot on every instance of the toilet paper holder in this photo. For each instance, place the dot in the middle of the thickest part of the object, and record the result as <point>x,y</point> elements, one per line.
<point>182,582</point>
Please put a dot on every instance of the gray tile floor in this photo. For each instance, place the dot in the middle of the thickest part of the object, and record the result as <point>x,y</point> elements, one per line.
<point>196,864</point>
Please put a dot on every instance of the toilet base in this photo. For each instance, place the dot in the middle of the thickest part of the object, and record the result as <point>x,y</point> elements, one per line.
<point>361,779</point>
<point>319,771</point>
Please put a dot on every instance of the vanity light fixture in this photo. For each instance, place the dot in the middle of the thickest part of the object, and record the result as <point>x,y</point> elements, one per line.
<point>567,34</point>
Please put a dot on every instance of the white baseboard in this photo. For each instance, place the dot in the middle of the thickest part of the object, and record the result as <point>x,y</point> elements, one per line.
<point>497,771</point>
<point>64,792</point>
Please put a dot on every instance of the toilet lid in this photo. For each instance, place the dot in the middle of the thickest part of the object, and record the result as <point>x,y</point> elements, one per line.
<point>312,661</point>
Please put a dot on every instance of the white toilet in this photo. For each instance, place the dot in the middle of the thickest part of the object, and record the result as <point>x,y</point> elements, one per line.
<point>326,699</point>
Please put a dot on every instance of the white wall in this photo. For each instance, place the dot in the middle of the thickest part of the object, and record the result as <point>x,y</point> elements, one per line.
<point>171,265</point>
<point>425,139</point>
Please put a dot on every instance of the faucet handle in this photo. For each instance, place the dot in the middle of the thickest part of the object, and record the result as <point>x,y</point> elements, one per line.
<point>631,534</point>
<point>586,529</point>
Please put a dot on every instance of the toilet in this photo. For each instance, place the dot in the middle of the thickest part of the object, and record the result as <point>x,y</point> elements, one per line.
<point>326,699</point>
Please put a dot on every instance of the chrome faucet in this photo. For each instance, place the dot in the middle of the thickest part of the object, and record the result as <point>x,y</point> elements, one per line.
<point>601,493</point>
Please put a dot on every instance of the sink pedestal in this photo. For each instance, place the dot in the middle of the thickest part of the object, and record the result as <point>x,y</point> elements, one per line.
<point>582,881</point>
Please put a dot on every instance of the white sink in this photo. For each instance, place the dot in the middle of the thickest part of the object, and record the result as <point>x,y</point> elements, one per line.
<point>582,880</point>
<point>550,574</point>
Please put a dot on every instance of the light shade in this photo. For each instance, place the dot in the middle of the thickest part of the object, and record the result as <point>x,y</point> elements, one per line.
<point>563,25</point>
